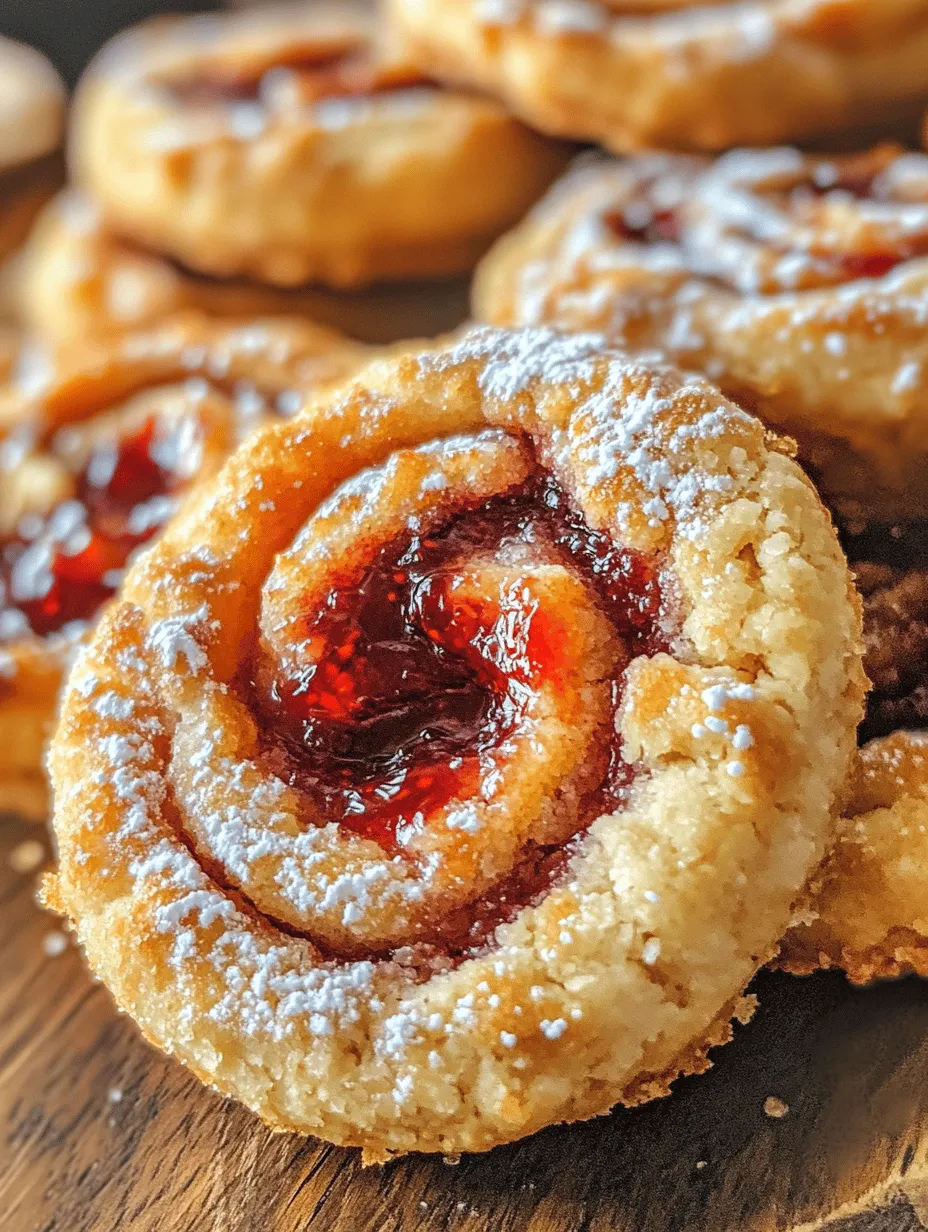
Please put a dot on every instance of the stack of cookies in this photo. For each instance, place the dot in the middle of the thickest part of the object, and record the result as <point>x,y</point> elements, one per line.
<point>454,728</point>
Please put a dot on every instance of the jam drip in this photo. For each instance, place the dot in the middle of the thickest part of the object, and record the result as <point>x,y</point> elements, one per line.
<point>891,565</point>
<point>414,680</point>
<point>64,566</point>
<point>335,71</point>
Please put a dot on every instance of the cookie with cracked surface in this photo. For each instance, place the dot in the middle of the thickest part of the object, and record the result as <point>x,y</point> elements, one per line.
<point>867,915</point>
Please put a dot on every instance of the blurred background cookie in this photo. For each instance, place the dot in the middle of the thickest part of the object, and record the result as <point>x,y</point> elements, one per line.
<point>99,446</point>
<point>76,278</point>
<point>798,283</point>
<point>294,145</point>
<point>32,102</point>
<point>677,73</point>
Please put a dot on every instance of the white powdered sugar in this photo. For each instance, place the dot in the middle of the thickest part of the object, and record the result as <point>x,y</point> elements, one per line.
<point>625,427</point>
<point>265,987</point>
<point>172,639</point>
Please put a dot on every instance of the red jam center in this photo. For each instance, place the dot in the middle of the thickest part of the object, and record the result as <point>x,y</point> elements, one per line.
<point>654,227</point>
<point>415,676</point>
<point>640,223</point>
<point>70,562</point>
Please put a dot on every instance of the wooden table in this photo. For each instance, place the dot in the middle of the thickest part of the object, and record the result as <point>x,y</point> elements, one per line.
<point>101,1133</point>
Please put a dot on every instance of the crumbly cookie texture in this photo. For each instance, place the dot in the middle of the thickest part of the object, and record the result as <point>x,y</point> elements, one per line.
<point>76,278</point>
<point>868,914</point>
<point>99,445</point>
<point>292,145</point>
<point>799,284</point>
<point>680,75</point>
<point>184,840</point>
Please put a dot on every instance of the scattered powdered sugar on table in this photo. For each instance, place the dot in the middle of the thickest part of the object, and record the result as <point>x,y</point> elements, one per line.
<point>54,943</point>
<point>26,856</point>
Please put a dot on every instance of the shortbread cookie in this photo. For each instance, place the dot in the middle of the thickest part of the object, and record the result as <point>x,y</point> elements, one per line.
<point>683,74</point>
<point>868,916</point>
<point>293,145</point>
<point>98,447</point>
<point>32,99</point>
<point>799,284</point>
<point>450,767</point>
<point>77,279</point>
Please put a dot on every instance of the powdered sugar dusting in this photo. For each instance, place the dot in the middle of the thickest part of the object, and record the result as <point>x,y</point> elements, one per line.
<point>635,416</point>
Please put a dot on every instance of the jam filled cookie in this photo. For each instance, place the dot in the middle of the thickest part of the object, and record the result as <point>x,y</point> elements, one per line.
<point>684,74</point>
<point>799,284</point>
<point>76,278</point>
<point>32,99</point>
<point>447,771</point>
<point>292,145</point>
<point>869,915</point>
<point>96,453</point>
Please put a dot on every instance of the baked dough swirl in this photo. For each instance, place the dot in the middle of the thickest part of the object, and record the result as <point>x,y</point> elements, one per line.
<point>799,284</point>
<point>98,447</point>
<point>681,74</point>
<point>293,145</point>
<point>449,769</point>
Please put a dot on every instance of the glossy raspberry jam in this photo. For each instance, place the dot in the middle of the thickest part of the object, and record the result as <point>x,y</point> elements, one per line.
<point>63,567</point>
<point>415,676</point>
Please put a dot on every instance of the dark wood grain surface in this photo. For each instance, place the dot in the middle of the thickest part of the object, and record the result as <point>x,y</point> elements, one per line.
<point>101,1133</point>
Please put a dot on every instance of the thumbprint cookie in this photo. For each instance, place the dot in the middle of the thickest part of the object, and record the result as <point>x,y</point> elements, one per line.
<point>294,145</point>
<point>75,278</point>
<point>32,101</point>
<point>683,74</point>
<point>98,447</point>
<point>447,770</point>
<point>799,284</point>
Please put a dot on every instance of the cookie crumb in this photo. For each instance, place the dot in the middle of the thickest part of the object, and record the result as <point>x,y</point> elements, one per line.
<point>26,856</point>
<point>775,1107</point>
<point>54,943</point>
